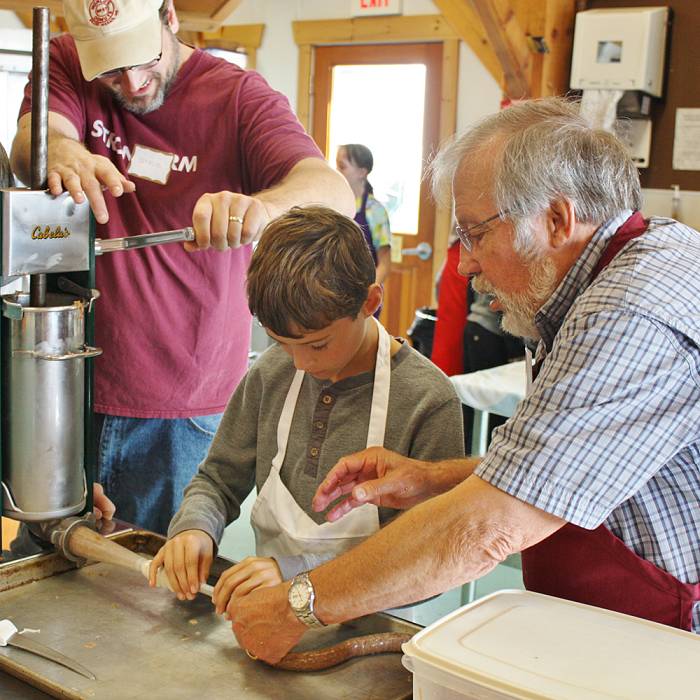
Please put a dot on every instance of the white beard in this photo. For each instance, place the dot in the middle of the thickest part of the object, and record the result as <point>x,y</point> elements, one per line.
<point>519,309</point>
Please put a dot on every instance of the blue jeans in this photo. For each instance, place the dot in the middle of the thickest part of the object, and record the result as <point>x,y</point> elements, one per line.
<point>144,464</point>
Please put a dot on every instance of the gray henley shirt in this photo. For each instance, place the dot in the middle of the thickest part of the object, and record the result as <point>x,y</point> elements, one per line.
<point>330,421</point>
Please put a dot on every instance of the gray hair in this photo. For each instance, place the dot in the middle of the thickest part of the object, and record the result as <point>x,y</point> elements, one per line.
<point>548,151</point>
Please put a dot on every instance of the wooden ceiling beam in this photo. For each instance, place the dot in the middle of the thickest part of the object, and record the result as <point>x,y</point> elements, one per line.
<point>25,18</point>
<point>466,24</point>
<point>559,38</point>
<point>57,24</point>
<point>225,10</point>
<point>510,44</point>
<point>398,28</point>
<point>196,22</point>
<point>530,14</point>
<point>197,17</point>
<point>55,6</point>
<point>237,35</point>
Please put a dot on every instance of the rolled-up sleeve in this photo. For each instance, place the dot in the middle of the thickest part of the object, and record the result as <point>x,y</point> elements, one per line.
<point>612,404</point>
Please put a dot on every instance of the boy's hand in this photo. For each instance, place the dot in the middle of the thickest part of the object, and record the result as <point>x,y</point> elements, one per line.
<point>187,558</point>
<point>244,577</point>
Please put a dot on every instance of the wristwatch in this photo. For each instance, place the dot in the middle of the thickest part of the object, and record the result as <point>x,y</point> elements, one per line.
<point>301,596</point>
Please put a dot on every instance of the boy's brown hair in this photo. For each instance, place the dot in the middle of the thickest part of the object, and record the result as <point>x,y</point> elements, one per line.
<point>311,267</point>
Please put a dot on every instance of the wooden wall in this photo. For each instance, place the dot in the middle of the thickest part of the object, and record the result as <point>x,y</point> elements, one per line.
<point>681,89</point>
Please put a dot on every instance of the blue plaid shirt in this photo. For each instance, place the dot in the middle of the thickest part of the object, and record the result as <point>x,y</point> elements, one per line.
<point>611,430</point>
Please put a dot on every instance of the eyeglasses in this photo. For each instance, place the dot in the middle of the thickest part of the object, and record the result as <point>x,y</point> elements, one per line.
<point>141,66</point>
<point>466,233</point>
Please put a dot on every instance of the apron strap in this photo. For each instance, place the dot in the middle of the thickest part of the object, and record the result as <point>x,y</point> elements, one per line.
<point>380,392</point>
<point>285,422</point>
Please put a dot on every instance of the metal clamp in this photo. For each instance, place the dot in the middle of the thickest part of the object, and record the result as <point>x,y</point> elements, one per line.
<point>85,294</point>
<point>59,534</point>
<point>12,309</point>
<point>87,351</point>
<point>15,311</point>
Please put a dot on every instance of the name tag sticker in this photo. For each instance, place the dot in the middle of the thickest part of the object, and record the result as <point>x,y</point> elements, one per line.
<point>150,164</point>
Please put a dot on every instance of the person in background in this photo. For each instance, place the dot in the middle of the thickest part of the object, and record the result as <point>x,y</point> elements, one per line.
<point>486,344</point>
<point>334,382</point>
<point>158,136</point>
<point>355,162</point>
<point>448,350</point>
<point>468,334</point>
<point>596,478</point>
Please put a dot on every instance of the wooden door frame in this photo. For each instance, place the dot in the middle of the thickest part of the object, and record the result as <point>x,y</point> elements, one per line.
<point>235,37</point>
<point>387,30</point>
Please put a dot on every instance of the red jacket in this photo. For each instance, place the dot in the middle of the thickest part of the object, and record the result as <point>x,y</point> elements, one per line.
<point>448,341</point>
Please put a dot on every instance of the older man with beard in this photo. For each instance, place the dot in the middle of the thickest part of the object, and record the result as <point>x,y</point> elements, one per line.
<point>158,135</point>
<point>596,478</point>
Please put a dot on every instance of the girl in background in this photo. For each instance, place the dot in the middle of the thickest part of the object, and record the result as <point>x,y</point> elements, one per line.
<point>355,161</point>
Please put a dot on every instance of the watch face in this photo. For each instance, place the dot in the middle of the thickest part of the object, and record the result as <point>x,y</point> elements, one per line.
<point>298,596</point>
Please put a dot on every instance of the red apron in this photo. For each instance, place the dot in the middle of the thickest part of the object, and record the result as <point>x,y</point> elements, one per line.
<point>594,566</point>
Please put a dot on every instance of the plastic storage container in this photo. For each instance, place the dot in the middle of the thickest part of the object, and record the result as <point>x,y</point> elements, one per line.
<point>516,644</point>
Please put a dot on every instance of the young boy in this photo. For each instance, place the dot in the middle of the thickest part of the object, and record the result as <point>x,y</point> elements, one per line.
<point>334,383</point>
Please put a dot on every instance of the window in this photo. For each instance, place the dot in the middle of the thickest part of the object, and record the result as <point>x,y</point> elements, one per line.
<point>237,57</point>
<point>382,106</point>
<point>14,69</point>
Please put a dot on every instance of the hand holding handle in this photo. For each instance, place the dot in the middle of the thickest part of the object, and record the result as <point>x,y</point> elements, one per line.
<point>162,579</point>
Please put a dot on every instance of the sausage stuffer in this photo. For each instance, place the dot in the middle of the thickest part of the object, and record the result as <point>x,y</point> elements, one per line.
<point>48,244</point>
<point>75,541</point>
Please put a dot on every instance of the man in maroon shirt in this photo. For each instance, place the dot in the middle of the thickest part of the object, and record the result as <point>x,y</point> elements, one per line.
<point>158,135</point>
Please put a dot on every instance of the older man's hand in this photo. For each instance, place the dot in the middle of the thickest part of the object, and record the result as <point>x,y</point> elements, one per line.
<point>264,623</point>
<point>378,476</point>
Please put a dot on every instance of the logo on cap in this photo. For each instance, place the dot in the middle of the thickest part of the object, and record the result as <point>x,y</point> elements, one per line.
<point>102,12</point>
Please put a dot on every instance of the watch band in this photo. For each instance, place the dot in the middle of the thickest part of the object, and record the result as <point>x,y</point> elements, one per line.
<point>305,614</point>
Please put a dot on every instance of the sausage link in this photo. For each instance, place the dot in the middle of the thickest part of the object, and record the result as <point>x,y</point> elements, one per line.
<point>327,657</point>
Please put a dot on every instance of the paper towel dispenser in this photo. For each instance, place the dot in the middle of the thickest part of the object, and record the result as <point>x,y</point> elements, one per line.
<point>620,49</point>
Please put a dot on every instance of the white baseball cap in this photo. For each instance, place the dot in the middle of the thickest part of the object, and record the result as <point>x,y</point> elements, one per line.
<point>111,34</point>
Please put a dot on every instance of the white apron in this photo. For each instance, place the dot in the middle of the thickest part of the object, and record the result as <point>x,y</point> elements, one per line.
<point>281,527</point>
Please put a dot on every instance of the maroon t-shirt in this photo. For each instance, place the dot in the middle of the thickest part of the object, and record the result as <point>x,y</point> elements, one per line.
<point>174,326</point>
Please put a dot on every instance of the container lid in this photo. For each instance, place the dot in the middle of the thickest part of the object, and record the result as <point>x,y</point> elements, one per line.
<point>527,645</point>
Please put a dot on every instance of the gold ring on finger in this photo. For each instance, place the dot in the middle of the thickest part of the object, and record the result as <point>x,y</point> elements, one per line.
<point>235,219</point>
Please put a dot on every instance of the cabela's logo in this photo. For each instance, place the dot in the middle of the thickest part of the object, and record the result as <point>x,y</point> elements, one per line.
<point>43,232</point>
<point>102,12</point>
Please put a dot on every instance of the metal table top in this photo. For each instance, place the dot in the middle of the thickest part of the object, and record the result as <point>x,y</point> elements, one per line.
<point>144,643</point>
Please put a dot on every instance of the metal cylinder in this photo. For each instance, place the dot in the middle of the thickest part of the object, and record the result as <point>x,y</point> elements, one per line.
<point>43,455</point>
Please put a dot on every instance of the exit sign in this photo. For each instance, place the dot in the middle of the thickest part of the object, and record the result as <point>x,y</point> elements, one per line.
<point>364,8</point>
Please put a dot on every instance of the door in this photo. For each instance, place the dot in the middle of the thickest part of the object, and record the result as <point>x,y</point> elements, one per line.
<point>388,97</point>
